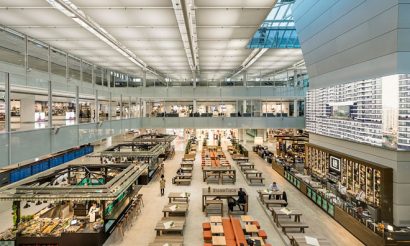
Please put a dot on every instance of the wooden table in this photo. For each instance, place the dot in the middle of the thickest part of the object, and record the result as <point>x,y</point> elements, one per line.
<point>270,203</point>
<point>218,240</point>
<point>175,196</point>
<point>188,159</point>
<point>239,158</point>
<point>184,176</point>
<point>276,213</point>
<point>247,219</point>
<point>186,169</point>
<point>178,226</point>
<point>215,219</point>
<point>253,172</point>
<point>245,167</point>
<point>220,193</point>
<point>297,239</point>
<point>178,209</point>
<point>187,164</point>
<point>268,193</point>
<point>217,229</point>
<point>251,229</point>
<point>217,171</point>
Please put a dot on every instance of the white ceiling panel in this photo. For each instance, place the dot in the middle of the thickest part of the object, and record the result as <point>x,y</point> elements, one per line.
<point>150,30</point>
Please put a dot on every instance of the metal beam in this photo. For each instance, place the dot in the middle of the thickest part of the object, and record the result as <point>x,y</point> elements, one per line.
<point>72,11</point>
<point>185,14</point>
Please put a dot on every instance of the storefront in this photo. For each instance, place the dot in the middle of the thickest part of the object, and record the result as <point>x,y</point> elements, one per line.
<point>85,203</point>
<point>356,193</point>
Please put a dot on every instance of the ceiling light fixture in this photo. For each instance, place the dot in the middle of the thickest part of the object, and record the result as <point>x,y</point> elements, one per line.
<point>250,60</point>
<point>186,19</point>
<point>72,11</point>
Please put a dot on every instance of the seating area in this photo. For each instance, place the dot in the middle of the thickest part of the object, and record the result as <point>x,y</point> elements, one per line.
<point>184,174</point>
<point>212,201</point>
<point>252,176</point>
<point>287,219</point>
<point>170,229</point>
<point>213,156</point>
<point>233,231</point>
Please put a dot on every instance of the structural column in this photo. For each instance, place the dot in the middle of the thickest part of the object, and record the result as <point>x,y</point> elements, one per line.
<point>261,133</point>
<point>27,110</point>
<point>121,108</point>
<point>97,107</point>
<point>144,78</point>
<point>77,105</point>
<point>194,110</point>
<point>296,108</point>
<point>194,79</point>
<point>50,104</point>
<point>244,107</point>
<point>129,107</point>
<point>245,77</point>
<point>110,108</point>
<point>144,108</point>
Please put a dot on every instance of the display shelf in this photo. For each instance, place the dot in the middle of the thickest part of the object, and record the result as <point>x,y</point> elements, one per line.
<point>357,174</point>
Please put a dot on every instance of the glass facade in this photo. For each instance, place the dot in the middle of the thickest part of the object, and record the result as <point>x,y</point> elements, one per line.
<point>373,111</point>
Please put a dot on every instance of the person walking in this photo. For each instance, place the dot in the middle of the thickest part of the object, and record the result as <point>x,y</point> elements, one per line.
<point>162,185</point>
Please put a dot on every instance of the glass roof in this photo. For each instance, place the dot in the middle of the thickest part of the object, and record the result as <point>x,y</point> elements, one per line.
<point>278,30</point>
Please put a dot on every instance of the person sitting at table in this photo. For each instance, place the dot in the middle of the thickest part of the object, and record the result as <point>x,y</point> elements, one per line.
<point>231,203</point>
<point>242,199</point>
<point>273,187</point>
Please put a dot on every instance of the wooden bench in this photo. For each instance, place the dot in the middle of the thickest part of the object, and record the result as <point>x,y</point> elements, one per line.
<point>181,181</point>
<point>214,207</point>
<point>259,179</point>
<point>212,178</point>
<point>238,231</point>
<point>171,239</point>
<point>228,178</point>
<point>228,232</point>
<point>270,203</point>
<point>293,225</point>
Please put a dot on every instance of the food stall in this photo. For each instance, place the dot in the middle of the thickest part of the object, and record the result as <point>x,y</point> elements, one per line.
<point>78,204</point>
<point>148,150</point>
<point>164,139</point>
<point>334,182</point>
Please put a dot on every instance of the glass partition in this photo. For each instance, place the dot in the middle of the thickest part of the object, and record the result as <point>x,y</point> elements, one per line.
<point>12,47</point>
<point>87,72</point>
<point>277,108</point>
<point>58,62</point>
<point>98,75</point>
<point>74,68</point>
<point>37,56</point>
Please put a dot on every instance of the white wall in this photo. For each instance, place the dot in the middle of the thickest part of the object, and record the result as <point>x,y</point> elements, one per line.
<point>349,40</point>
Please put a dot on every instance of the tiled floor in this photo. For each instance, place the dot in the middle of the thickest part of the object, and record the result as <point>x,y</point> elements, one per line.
<point>142,232</point>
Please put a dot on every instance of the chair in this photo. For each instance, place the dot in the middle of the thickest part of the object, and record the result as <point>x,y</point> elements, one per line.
<point>256,223</point>
<point>207,236</point>
<point>139,197</point>
<point>262,234</point>
<point>206,226</point>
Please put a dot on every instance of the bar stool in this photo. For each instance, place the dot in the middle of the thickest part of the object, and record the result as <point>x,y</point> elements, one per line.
<point>139,197</point>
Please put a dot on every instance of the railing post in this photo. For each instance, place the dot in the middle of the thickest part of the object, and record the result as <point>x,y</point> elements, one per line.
<point>8,116</point>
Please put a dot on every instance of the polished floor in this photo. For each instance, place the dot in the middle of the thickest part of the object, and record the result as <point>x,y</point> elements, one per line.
<point>142,231</point>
